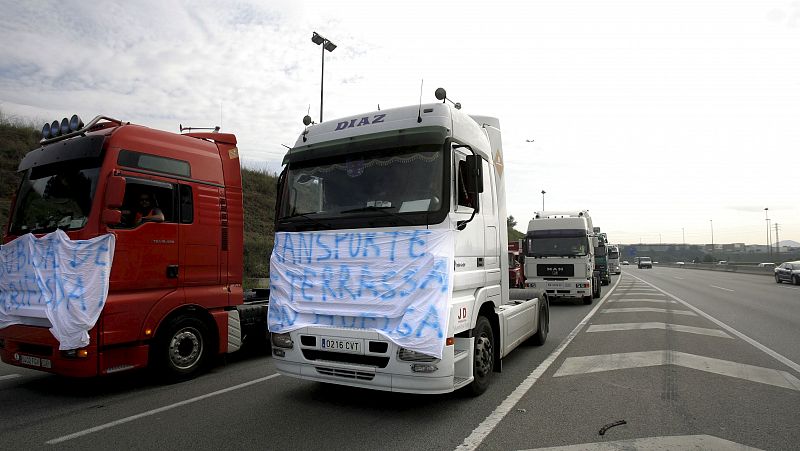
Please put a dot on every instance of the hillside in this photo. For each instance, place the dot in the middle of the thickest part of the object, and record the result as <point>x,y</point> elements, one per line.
<point>17,139</point>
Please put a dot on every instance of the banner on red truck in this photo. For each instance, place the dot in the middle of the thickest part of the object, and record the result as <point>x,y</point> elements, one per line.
<point>55,279</point>
<point>396,283</point>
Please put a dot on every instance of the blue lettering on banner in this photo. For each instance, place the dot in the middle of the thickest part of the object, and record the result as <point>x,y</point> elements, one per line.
<point>56,279</point>
<point>393,282</point>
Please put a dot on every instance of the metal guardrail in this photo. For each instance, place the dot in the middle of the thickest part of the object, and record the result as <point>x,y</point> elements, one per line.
<point>744,269</point>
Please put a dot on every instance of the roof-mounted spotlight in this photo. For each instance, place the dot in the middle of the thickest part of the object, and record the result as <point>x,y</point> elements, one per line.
<point>307,120</point>
<point>75,123</point>
<point>64,126</point>
<point>46,131</point>
<point>55,129</point>
<point>441,94</point>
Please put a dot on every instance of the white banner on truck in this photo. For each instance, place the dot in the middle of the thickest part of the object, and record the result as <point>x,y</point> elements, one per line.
<point>56,278</point>
<point>397,283</point>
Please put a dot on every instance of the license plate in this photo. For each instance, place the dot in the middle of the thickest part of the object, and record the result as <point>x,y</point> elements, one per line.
<point>556,285</point>
<point>35,361</point>
<point>342,345</point>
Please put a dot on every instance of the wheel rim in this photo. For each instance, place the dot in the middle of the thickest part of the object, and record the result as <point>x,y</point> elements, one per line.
<point>186,348</point>
<point>483,355</point>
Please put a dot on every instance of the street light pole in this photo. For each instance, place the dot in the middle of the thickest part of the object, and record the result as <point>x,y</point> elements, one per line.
<point>683,232</point>
<point>769,235</point>
<point>712,235</point>
<point>316,38</point>
<point>543,193</point>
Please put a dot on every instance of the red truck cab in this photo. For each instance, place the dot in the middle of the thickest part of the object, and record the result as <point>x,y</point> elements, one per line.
<point>516,270</point>
<point>174,204</point>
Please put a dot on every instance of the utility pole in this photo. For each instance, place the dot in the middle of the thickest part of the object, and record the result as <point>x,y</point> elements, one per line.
<point>777,243</point>
<point>712,235</point>
<point>543,193</point>
<point>683,232</point>
<point>769,234</point>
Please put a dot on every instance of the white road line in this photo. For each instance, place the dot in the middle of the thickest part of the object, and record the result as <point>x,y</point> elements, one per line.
<point>660,301</point>
<point>662,326</point>
<point>9,376</point>
<point>679,278</point>
<point>609,362</point>
<point>726,289</point>
<point>647,309</point>
<point>58,440</point>
<point>705,442</point>
<point>730,329</point>
<point>487,425</point>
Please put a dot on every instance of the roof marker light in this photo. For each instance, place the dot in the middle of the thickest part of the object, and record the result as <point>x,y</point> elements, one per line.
<point>55,129</point>
<point>75,123</point>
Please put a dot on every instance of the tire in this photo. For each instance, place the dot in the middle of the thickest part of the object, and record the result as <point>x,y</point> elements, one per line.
<point>483,358</point>
<point>543,328</point>
<point>587,300</point>
<point>795,280</point>
<point>183,348</point>
<point>596,293</point>
<point>777,279</point>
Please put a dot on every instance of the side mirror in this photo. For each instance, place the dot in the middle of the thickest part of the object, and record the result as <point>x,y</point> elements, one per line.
<point>474,176</point>
<point>115,192</point>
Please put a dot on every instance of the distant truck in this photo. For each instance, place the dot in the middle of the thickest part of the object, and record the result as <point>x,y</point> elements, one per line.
<point>613,259</point>
<point>390,267</point>
<point>645,262</point>
<point>167,208</point>
<point>601,257</point>
<point>560,256</point>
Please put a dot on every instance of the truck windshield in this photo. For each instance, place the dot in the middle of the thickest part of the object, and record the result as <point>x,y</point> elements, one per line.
<point>557,243</point>
<point>613,254</point>
<point>388,183</point>
<point>55,196</point>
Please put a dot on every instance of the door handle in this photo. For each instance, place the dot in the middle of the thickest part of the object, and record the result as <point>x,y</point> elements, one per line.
<point>172,271</point>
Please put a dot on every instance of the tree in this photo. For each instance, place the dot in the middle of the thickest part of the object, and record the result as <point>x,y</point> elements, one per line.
<point>513,234</point>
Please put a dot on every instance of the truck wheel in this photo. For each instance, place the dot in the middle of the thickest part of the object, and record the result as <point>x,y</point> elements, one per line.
<point>182,350</point>
<point>483,360</point>
<point>544,326</point>
<point>596,293</point>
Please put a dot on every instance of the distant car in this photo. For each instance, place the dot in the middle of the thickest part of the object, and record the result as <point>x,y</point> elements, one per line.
<point>645,262</point>
<point>788,272</point>
<point>625,262</point>
<point>722,262</point>
<point>680,263</point>
<point>767,265</point>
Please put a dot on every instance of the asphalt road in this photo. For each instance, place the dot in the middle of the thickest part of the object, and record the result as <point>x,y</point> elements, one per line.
<point>668,373</point>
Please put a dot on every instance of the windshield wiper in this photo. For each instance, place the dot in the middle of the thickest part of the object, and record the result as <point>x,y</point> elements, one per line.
<point>378,209</point>
<point>305,216</point>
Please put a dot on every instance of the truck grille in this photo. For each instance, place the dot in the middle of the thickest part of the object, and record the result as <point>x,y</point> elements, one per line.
<point>347,374</point>
<point>341,357</point>
<point>555,270</point>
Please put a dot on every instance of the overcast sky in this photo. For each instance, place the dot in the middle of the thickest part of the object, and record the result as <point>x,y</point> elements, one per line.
<point>657,116</point>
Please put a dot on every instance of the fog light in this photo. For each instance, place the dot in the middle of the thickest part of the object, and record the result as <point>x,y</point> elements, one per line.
<point>278,352</point>
<point>423,368</point>
<point>282,340</point>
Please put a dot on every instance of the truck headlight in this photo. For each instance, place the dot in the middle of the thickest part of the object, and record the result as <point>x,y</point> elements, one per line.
<point>282,340</point>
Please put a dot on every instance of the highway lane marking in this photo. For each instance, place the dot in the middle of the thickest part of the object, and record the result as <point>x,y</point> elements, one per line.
<point>489,423</point>
<point>730,329</point>
<point>706,442</point>
<point>609,362</point>
<point>101,427</point>
<point>660,301</point>
<point>9,377</point>
<point>662,326</point>
<point>647,309</point>
<point>679,278</point>
<point>726,289</point>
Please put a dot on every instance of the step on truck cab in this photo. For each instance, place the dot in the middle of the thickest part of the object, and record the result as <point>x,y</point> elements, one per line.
<point>390,267</point>
<point>162,284</point>
<point>560,256</point>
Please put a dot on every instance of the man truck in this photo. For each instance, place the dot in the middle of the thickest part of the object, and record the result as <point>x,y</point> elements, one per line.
<point>560,256</point>
<point>173,205</point>
<point>613,259</point>
<point>390,267</point>
<point>601,257</point>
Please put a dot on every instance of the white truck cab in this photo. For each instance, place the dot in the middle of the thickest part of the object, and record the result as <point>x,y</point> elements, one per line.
<point>390,267</point>
<point>559,256</point>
